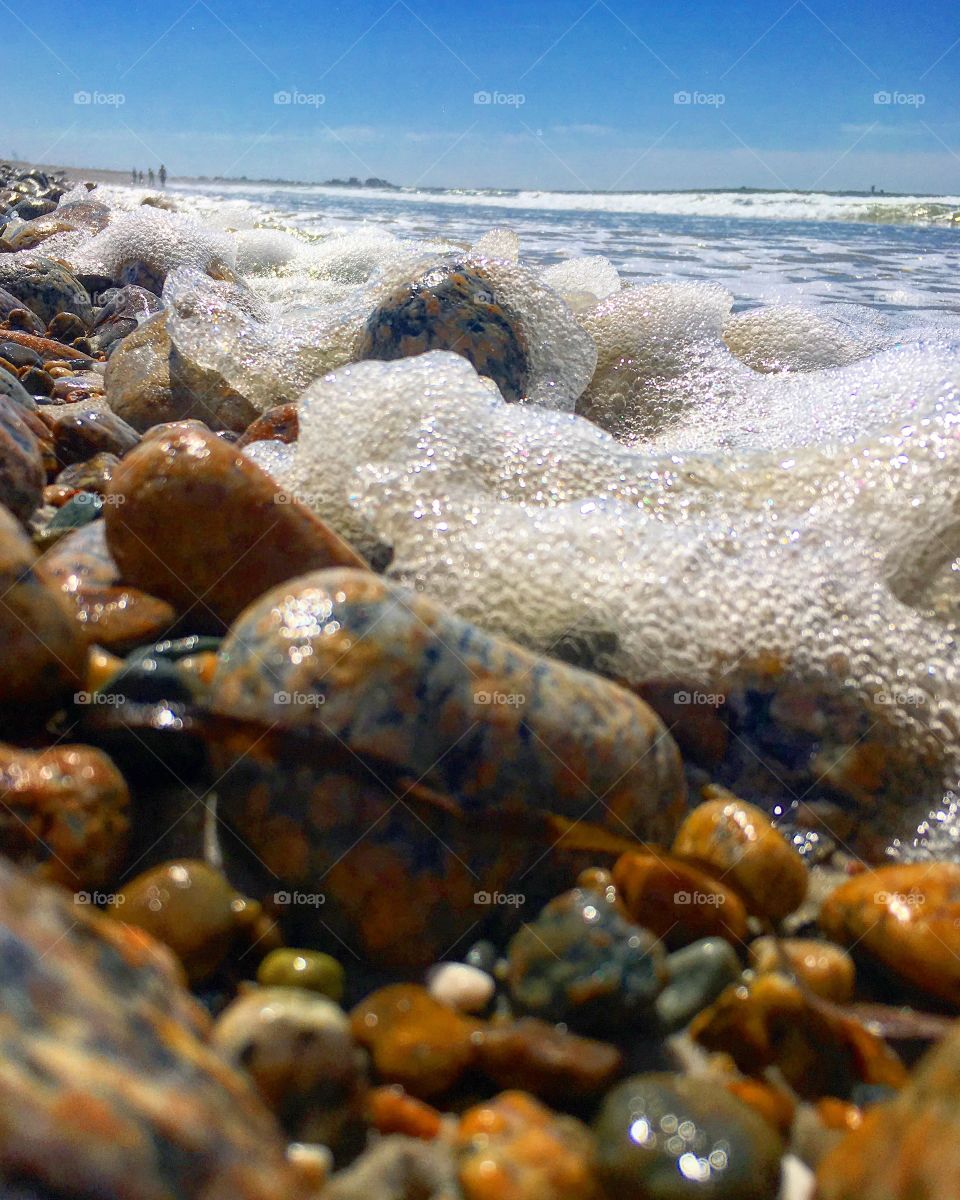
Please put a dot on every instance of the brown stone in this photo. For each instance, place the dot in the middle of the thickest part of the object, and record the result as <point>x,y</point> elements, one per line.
<point>415,1040</point>
<point>826,969</point>
<point>677,901</point>
<point>201,526</point>
<point>281,424</point>
<point>22,473</point>
<point>391,1110</point>
<point>906,918</point>
<point>64,813</point>
<point>544,1059</point>
<point>737,843</point>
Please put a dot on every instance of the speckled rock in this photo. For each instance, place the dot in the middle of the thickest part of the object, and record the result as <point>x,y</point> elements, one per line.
<point>64,814</point>
<point>107,1087</point>
<point>676,901</point>
<point>907,918</point>
<point>42,651</point>
<point>697,975</point>
<point>582,962</point>
<point>148,383</point>
<point>826,969</point>
<point>107,612</point>
<point>536,1056</point>
<point>22,473</point>
<point>736,842</point>
<point>413,1039</point>
<point>386,677</point>
<point>512,1148</point>
<point>297,1048</point>
<point>770,1023</point>
<point>189,480</point>
<point>45,287</point>
<point>666,1137</point>
<point>451,307</point>
<point>908,1147</point>
<point>307,969</point>
<point>191,908</point>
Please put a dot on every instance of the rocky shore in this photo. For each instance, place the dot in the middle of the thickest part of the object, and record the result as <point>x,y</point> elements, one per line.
<point>406,790</point>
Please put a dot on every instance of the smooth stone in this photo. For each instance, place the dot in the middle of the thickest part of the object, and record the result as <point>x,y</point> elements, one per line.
<point>19,356</point>
<point>87,428</point>
<point>45,287</point>
<point>415,1040</point>
<point>281,423</point>
<point>582,962</point>
<point>106,612</point>
<point>42,650</point>
<point>676,901</point>
<point>460,986</point>
<point>189,484</point>
<point>297,1048</point>
<point>697,975</point>
<point>190,907</point>
<point>513,1148</point>
<point>13,390</point>
<point>483,955</point>
<point>90,476</point>
<point>22,474</point>
<point>148,383</point>
<point>10,303</point>
<point>908,1147</point>
<point>542,1058</point>
<point>309,969</point>
<point>907,919</point>
<point>450,308</point>
<point>737,842</point>
<point>108,1086</point>
<point>66,328</point>
<point>826,969</point>
<point>391,1110</point>
<point>65,814</point>
<point>667,1137</point>
<point>37,383</point>
<point>818,1050</point>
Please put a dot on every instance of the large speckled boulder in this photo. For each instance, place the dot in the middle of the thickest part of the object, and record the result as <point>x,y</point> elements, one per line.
<point>470,739</point>
<point>42,651</point>
<point>107,1088</point>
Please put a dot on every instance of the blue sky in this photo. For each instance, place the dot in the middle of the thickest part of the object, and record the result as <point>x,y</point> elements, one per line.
<point>581,93</point>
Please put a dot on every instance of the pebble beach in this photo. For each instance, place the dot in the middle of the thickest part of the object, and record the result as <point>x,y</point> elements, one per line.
<point>481,703</point>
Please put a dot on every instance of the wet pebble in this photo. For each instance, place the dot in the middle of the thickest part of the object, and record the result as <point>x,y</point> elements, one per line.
<point>87,428</point>
<point>460,986</point>
<point>415,1040</point>
<point>280,424</point>
<point>391,1110</point>
<point>46,288</point>
<point>297,1047</point>
<point>22,473</point>
<point>697,975</point>
<point>906,919</point>
<point>826,969</point>
<point>582,962</point>
<point>666,1137</point>
<point>737,842</point>
<point>542,1058</point>
<point>65,814</point>
<point>309,969</point>
<point>179,483</point>
<point>190,907</point>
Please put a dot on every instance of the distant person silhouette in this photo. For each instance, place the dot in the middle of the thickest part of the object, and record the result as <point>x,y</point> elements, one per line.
<point>139,177</point>
<point>150,176</point>
<point>163,176</point>
<point>133,175</point>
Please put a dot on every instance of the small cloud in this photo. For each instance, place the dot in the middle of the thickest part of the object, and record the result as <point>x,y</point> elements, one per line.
<point>583,130</point>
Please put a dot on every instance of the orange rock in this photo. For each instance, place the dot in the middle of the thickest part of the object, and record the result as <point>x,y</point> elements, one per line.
<point>838,1114</point>
<point>773,1104</point>
<point>413,1039</point>
<point>512,1148</point>
<point>193,521</point>
<point>391,1110</point>
<point>770,1023</point>
<point>676,901</point>
<point>826,969</point>
<point>65,812</point>
<point>539,1057</point>
<point>908,919</point>
<point>737,843</point>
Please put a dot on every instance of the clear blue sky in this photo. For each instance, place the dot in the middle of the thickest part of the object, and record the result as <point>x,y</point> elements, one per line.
<point>387,87</point>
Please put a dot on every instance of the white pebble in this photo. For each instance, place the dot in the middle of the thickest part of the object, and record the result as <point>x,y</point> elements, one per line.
<point>461,986</point>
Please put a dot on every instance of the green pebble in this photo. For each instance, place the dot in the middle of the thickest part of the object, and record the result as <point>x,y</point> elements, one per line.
<point>309,969</point>
<point>697,975</point>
